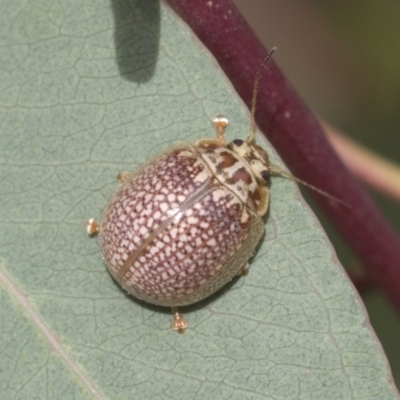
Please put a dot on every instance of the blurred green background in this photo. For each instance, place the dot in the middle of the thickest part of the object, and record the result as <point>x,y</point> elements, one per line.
<point>344,59</point>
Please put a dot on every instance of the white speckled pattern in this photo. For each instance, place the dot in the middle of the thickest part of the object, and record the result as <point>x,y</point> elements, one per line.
<point>172,234</point>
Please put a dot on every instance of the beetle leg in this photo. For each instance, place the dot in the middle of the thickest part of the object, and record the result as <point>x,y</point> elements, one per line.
<point>123,177</point>
<point>220,123</point>
<point>244,270</point>
<point>92,227</point>
<point>179,323</point>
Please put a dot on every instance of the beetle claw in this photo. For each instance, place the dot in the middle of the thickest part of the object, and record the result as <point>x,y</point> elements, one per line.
<point>92,227</point>
<point>179,324</point>
<point>244,270</point>
<point>123,177</point>
<point>220,123</point>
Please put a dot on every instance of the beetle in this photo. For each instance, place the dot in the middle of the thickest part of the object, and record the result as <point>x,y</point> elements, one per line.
<point>186,223</point>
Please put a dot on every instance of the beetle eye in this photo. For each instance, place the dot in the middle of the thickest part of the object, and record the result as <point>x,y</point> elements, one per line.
<point>265,175</point>
<point>237,142</point>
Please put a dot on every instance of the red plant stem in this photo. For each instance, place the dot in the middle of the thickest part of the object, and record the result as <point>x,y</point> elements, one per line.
<point>297,135</point>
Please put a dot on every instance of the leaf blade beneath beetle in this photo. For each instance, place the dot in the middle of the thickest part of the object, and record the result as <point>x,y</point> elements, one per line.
<point>89,92</point>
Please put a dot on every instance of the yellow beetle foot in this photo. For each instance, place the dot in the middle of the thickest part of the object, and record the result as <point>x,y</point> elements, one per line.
<point>92,227</point>
<point>123,177</point>
<point>220,123</point>
<point>179,323</point>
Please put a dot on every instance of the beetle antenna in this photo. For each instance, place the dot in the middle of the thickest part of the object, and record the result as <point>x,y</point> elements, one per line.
<point>252,132</point>
<point>275,170</point>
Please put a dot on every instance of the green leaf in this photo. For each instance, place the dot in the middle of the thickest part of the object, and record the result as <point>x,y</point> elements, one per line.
<point>88,91</point>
